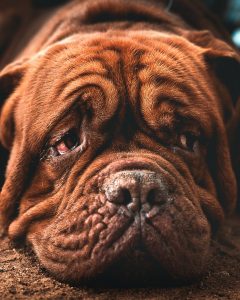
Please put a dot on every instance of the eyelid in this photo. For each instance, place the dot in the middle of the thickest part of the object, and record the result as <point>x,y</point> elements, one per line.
<point>58,137</point>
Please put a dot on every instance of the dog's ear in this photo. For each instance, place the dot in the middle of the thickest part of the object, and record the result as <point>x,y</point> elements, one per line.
<point>223,65</point>
<point>234,141</point>
<point>236,148</point>
<point>10,77</point>
<point>221,58</point>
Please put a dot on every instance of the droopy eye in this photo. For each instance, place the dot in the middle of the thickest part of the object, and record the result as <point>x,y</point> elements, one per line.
<point>65,144</point>
<point>189,142</point>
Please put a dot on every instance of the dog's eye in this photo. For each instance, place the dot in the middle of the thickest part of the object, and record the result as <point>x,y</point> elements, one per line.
<point>65,144</point>
<point>189,142</point>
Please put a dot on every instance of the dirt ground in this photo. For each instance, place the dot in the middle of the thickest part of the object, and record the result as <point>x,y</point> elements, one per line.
<point>21,277</point>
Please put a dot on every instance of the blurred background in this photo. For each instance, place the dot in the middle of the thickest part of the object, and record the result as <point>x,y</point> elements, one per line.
<point>12,11</point>
<point>229,13</point>
<point>227,10</point>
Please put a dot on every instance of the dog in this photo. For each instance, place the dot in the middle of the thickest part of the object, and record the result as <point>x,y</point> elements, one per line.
<point>114,117</point>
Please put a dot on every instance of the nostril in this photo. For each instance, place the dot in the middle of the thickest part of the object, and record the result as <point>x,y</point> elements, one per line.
<point>154,197</point>
<point>151,197</point>
<point>126,196</point>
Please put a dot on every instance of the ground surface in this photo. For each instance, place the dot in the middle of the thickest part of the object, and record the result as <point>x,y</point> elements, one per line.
<point>22,278</point>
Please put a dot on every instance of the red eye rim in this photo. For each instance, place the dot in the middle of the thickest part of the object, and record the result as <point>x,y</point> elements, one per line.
<point>67,143</point>
<point>60,147</point>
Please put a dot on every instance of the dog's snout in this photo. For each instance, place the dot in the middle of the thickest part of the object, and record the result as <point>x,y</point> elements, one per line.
<point>135,189</point>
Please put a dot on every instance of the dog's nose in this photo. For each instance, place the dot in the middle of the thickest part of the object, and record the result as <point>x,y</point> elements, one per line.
<point>135,189</point>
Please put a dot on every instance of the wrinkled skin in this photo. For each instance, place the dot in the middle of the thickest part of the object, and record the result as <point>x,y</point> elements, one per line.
<point>148,167</point>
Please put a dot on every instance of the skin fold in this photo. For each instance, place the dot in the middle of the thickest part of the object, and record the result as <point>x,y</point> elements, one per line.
<point>115,117</point>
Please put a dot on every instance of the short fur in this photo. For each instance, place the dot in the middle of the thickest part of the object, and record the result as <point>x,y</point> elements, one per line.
<point>149,94</point>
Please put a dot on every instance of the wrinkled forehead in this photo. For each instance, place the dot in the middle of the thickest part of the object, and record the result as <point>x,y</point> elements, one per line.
<point>140,68</point>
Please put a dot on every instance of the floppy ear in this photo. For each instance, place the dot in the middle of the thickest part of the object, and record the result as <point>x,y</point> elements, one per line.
<point>236,154</point>
<point>223,64</point>
<point>9,80</point>
<point>222,59</point>
<point>234,140</point>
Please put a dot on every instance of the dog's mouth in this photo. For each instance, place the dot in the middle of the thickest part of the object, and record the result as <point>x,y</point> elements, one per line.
<point>131,225</point>
<point>128,246</point>
<point>125,260</point>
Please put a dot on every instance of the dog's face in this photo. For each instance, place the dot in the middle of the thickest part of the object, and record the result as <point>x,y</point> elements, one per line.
<point>118,150</point>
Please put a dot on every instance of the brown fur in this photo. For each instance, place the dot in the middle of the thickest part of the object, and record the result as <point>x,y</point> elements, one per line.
<point>133,81</point>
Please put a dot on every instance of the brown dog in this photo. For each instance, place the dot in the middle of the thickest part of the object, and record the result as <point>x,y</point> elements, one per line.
<point>115,118</point>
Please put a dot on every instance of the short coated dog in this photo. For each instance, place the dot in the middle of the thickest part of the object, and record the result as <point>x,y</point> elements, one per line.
<point>115,118</point>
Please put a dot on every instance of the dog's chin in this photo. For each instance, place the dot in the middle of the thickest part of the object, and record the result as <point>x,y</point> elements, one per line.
<point>136,268</point>
<point>133,268</point>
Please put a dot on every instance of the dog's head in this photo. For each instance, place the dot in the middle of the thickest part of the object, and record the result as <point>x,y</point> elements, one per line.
<point>118,151</point>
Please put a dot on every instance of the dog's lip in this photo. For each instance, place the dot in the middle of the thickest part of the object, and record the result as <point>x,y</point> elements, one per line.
<point>134,223</point>
<point>104,255</point>
<point>118,234</point>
